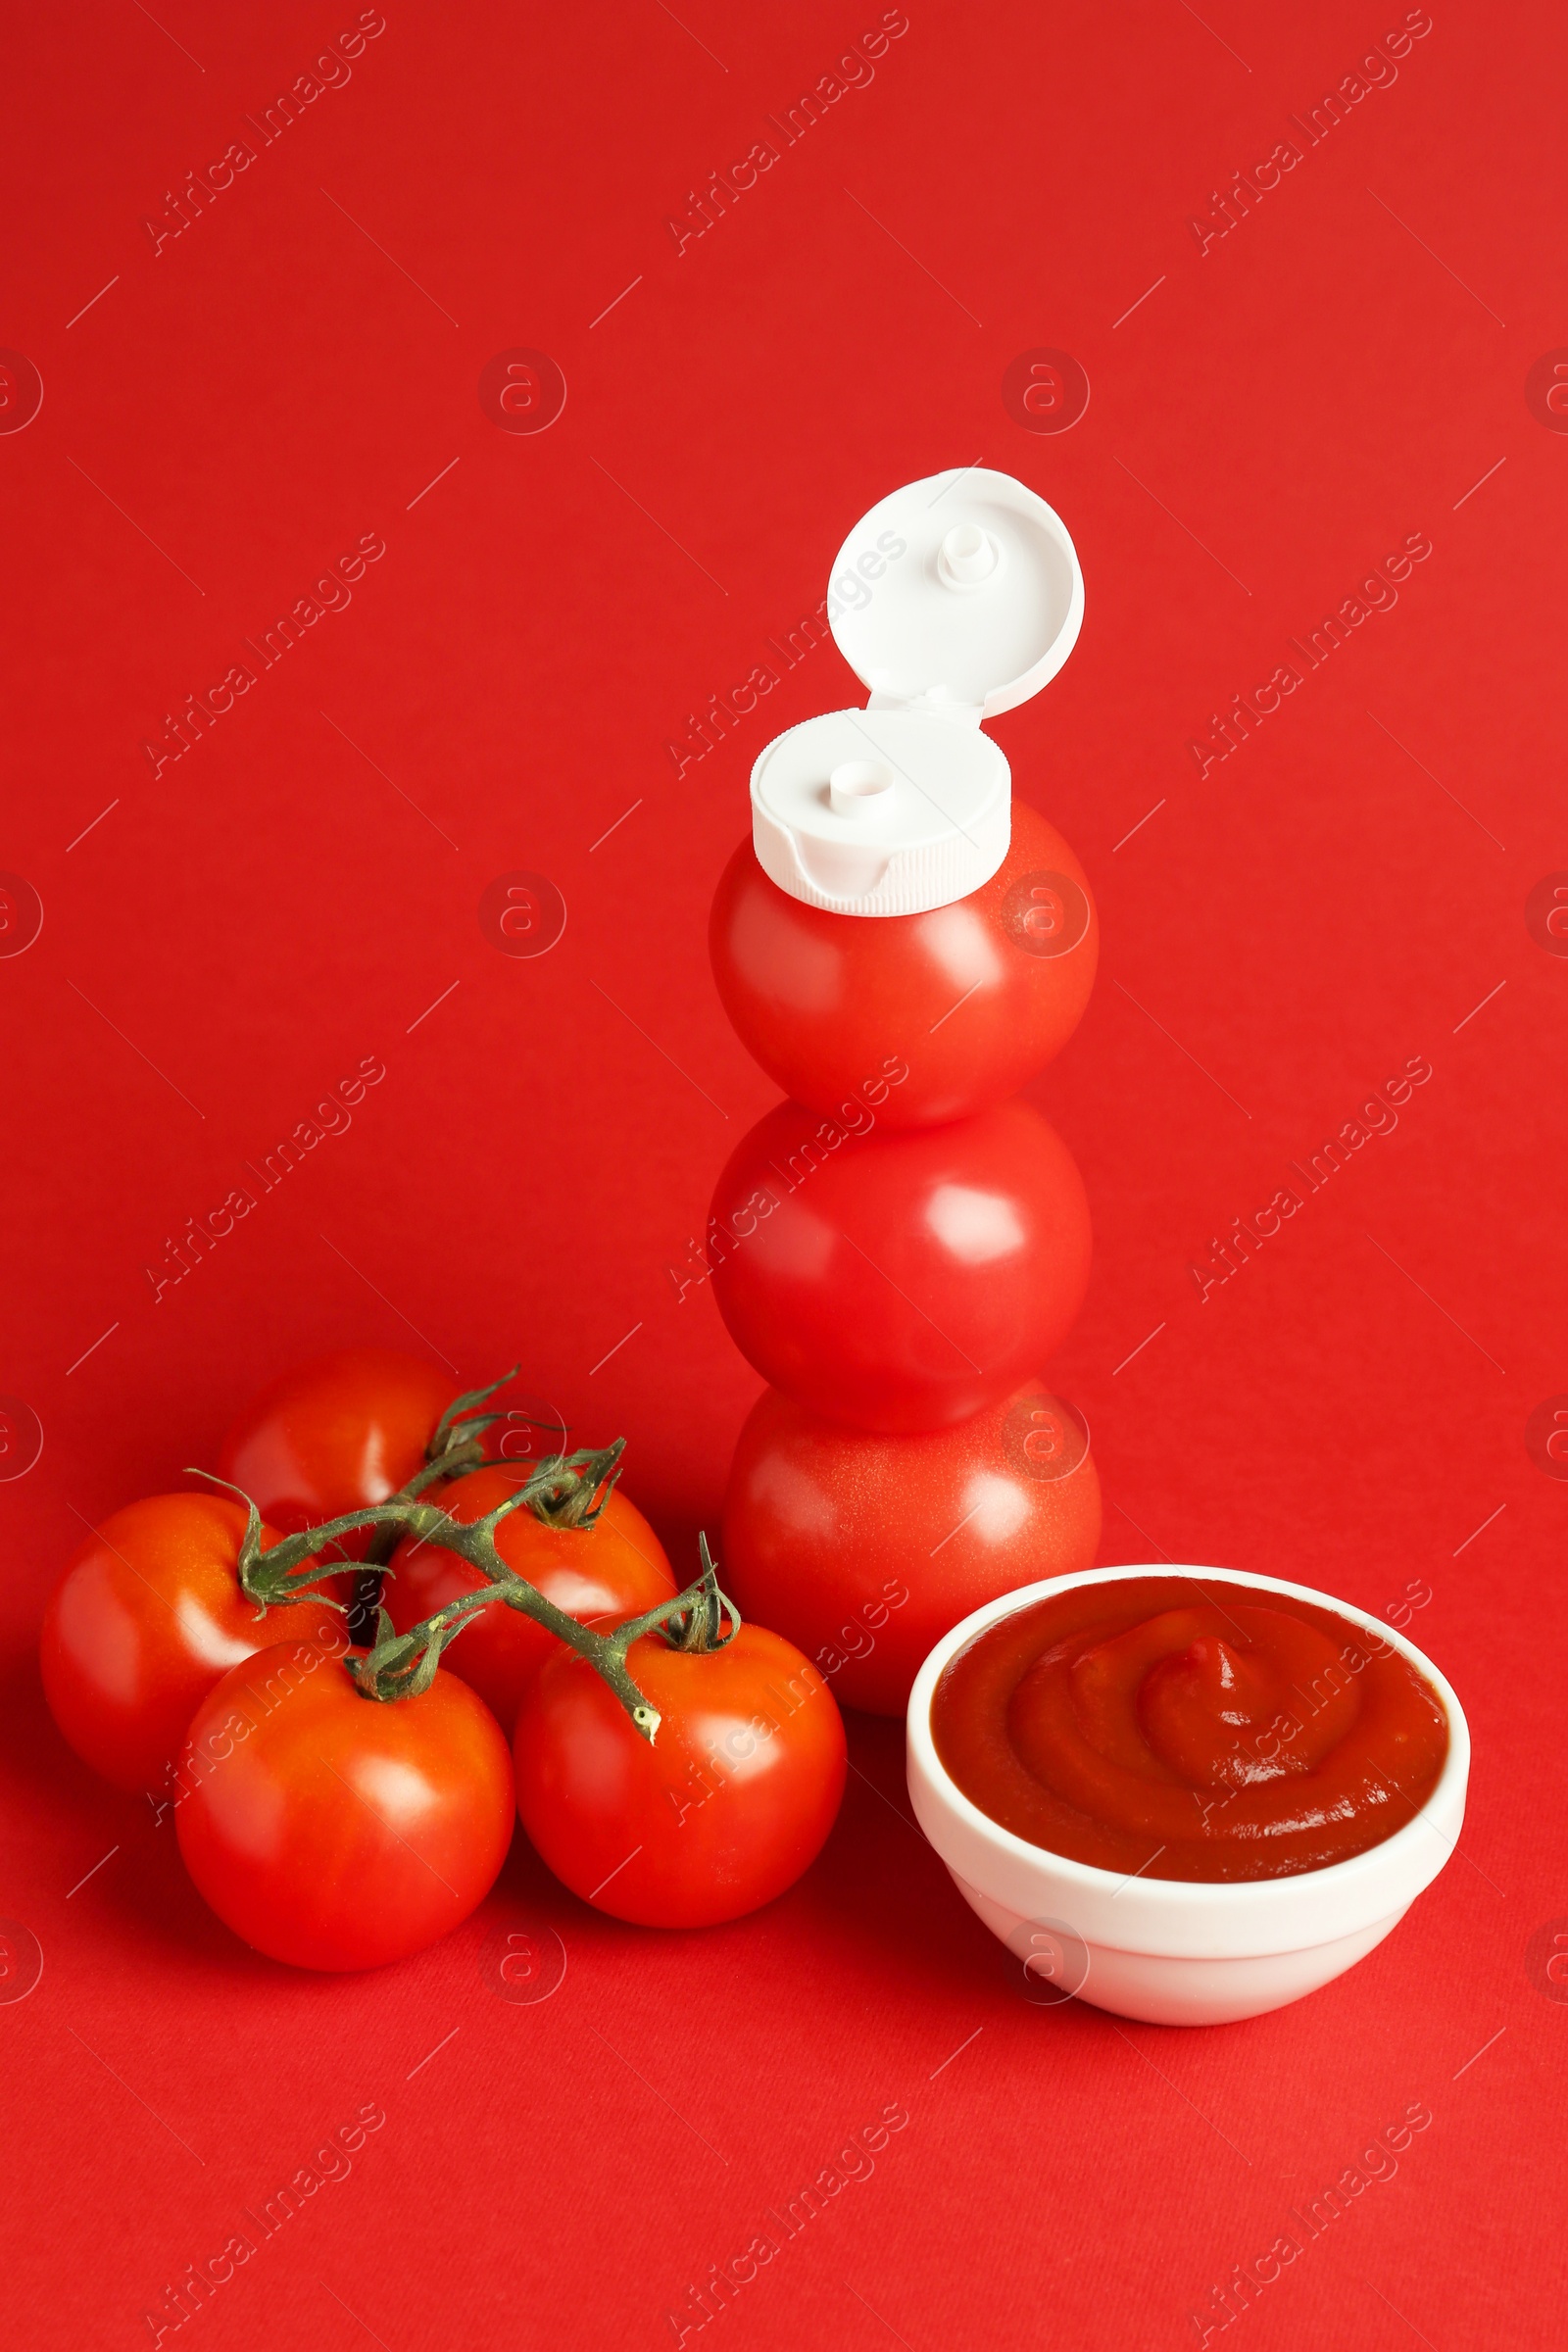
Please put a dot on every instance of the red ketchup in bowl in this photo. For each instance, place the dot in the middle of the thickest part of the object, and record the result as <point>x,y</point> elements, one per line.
<point>1179,1728</point>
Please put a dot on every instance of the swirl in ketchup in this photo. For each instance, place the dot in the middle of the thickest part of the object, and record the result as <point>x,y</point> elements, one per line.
<point>1189,1730</point>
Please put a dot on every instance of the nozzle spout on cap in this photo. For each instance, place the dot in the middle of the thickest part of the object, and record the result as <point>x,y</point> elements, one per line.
<point>863,788</point>
<point>967,555</point>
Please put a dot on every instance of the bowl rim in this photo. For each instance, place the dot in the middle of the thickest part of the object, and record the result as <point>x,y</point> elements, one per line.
<point>1174,1894</point>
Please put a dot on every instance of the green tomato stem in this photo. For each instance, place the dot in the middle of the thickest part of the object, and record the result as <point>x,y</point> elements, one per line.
<point>401,1666</point>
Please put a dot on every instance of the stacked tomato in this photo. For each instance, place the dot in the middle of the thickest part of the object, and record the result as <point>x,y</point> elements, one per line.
<point>897,1250</point>
<point>342,1802</point>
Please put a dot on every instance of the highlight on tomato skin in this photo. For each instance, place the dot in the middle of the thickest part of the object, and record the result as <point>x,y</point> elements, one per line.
<point>335,1831</point>
<point>610,1570</point>
<point>333,1434</point>
<point>865,1551</point>
<point>146,1616</point>
<point>720,1814</point>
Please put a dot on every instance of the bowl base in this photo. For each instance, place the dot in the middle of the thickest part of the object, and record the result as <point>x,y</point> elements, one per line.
<point>1057,1963</point>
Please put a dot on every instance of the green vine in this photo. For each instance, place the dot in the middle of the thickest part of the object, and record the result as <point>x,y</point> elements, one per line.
<point>563,1490</point>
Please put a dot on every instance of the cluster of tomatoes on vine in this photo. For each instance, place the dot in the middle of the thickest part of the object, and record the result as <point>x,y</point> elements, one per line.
<point>342,1802</point>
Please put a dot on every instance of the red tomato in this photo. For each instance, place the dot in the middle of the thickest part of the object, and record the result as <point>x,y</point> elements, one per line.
<point>967,1002</point>
<point>732,1800</point>
<point>338,1831</point>
<point>867,1550</point>
<point>145,1618</point>
<point>616,1568</point>
<point>334,1434</point>
<point>899,1281</point>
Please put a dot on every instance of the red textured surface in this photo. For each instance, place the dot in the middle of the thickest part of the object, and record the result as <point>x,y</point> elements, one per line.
<point>301,892</point>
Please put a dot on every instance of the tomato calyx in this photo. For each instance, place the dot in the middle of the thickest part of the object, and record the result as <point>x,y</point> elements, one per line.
<point>697,1622</point>
<point>456,1446</point>
<point>571,1490</point>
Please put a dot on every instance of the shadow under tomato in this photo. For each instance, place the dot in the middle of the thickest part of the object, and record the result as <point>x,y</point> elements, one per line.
<point>135,1882</point>
<point>30,1747</point>
<point>893,1904</point>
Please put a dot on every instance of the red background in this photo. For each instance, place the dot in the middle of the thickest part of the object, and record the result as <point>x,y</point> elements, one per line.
<point>234,411</point>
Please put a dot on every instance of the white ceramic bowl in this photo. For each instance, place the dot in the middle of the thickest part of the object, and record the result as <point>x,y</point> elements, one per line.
<point>1172,1951</point>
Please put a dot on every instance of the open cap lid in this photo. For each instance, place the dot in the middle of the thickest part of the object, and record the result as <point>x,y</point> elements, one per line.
<point>961,595</point>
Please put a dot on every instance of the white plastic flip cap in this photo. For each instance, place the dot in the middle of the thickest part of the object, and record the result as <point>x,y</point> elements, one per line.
<point>955,598</point>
